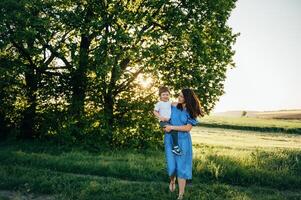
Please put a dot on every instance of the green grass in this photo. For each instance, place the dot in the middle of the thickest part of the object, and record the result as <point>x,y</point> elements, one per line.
<point>245,139</point>
<point>227,164</point>
<point>252,123</point>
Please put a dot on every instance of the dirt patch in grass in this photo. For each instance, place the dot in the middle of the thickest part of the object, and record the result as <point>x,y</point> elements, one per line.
<point>14,195</point>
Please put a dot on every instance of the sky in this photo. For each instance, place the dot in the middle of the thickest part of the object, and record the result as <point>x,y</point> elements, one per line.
<point>268,57</point>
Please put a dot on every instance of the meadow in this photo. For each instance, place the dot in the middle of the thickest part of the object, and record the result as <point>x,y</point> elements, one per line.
<point>254,123</point>
<point>228,164</point>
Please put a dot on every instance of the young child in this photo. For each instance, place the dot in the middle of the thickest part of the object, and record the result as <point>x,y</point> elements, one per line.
<point>162,110</point>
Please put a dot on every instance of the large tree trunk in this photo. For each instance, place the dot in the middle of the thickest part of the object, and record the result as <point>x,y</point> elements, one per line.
<point>109,117</point>
<point>3,126</point>
<point>79,80</point>
<point>27,129</point>
<point>3,123</point>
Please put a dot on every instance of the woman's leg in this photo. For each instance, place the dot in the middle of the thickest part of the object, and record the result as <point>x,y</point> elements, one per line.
<point>182,184</point>
<point>172,183</point>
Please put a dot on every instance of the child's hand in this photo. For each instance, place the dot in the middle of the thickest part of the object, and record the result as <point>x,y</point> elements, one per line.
<point>163,119</point>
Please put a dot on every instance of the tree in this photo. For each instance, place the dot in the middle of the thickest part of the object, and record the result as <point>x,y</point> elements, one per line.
<point>102,50</point>
<point>244,113</point>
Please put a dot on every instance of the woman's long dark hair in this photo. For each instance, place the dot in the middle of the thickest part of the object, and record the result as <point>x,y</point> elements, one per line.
<point>192,103</point>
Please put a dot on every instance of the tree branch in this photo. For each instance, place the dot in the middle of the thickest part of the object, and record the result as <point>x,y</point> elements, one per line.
<point>54,51</point>
<point>24,53</point>
<point>59,55</point>
<point>127,83</point>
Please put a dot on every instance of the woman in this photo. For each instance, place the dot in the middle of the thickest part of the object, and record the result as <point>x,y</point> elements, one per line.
<point>183,117</point>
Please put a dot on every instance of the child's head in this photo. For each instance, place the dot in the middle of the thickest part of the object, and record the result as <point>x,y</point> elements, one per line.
<point>164,93</point>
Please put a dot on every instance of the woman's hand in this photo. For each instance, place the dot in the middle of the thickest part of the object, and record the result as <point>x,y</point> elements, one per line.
<point>167,128</point>
<point>174,103</point>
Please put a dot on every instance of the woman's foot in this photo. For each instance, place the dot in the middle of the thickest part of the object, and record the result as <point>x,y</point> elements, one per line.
<point>181,196</point>
<point>172,186</point>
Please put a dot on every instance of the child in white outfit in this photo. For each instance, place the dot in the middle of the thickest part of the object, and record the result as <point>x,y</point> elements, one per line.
<point>163,111</point>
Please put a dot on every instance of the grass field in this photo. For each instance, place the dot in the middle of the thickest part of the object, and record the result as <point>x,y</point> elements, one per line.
<point>252,123</point>
<point>227,164</point>
<point>278,114</point>
<point>284,114</point>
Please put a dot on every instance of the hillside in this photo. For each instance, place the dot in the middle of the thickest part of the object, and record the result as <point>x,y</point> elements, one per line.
<point>279,114</point>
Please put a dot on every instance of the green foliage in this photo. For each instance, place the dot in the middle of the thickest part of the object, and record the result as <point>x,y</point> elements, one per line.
<point>83,63</point>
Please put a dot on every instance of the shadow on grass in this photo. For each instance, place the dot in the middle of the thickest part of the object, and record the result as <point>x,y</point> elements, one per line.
<point>279,169</point>
<point>66,186</point>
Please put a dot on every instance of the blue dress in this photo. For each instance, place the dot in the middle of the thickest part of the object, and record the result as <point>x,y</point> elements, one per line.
<point>180,166</point>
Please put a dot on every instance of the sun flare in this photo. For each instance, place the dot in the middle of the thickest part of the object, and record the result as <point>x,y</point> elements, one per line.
<point>144,81</point>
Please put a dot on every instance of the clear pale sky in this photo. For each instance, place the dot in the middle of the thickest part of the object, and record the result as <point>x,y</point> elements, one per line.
<point>268,57</point>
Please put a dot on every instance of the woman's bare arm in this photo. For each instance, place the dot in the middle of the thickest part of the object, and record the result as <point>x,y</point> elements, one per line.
<point>184,128</point>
